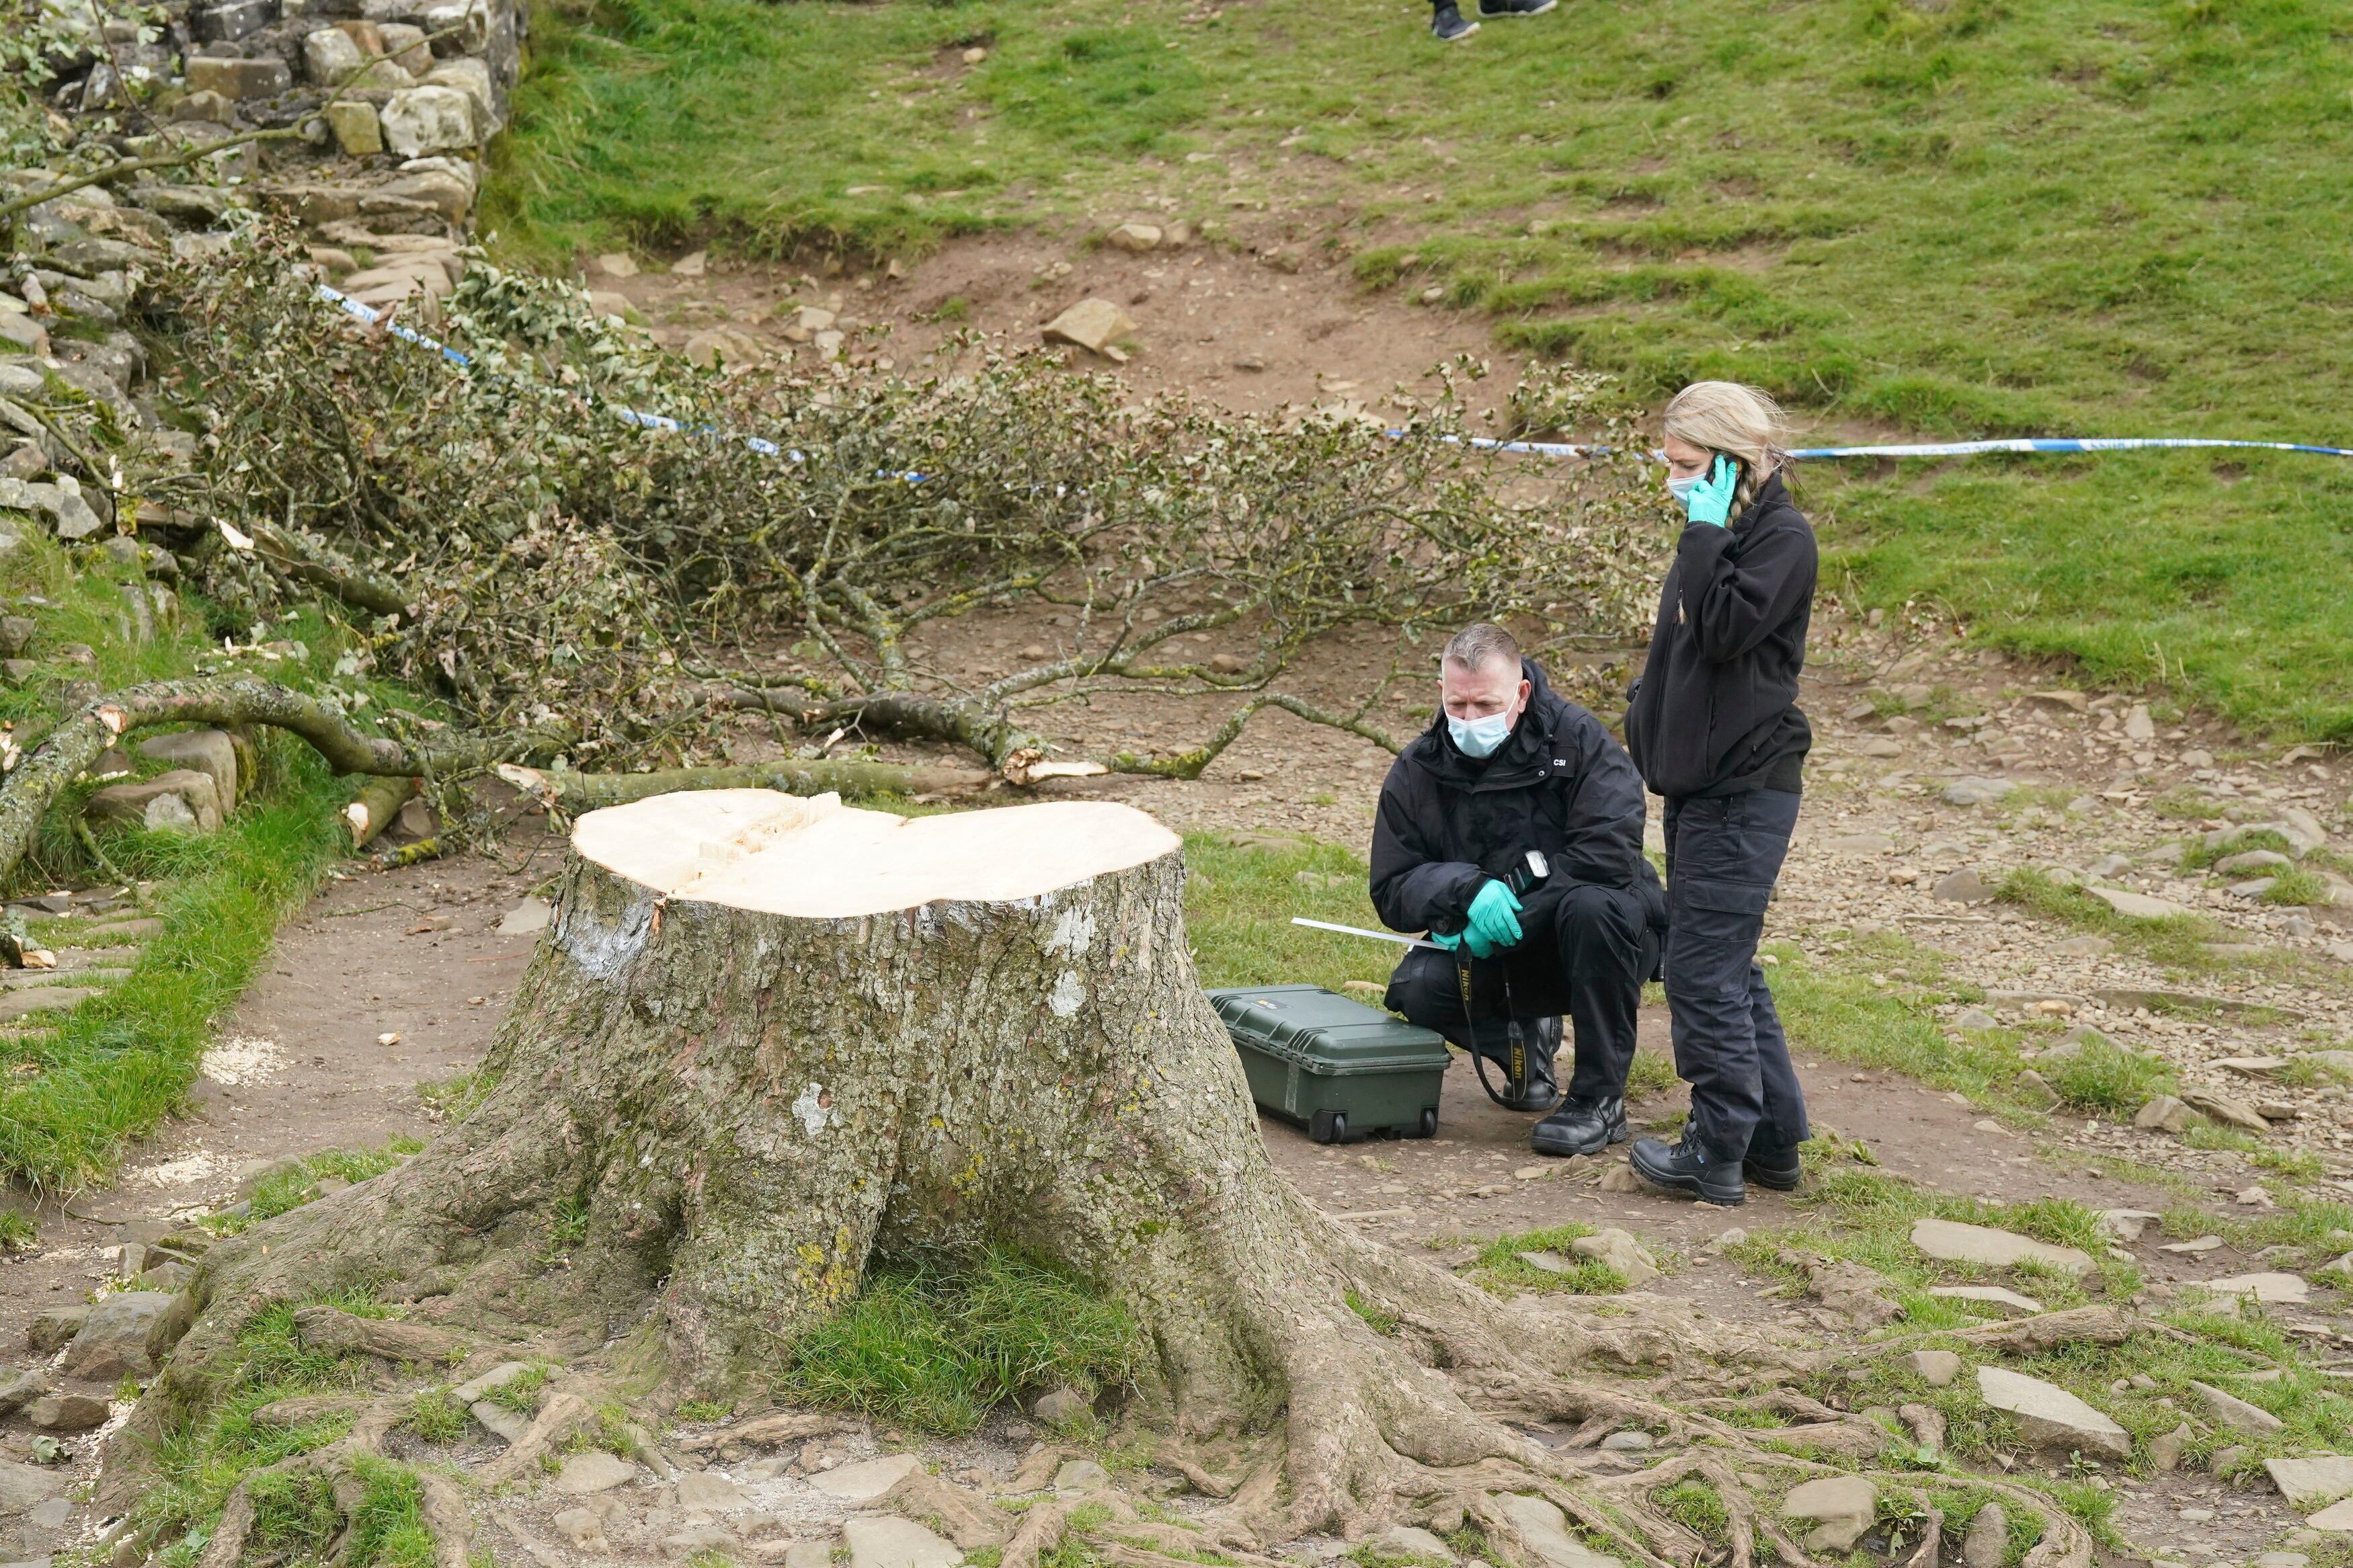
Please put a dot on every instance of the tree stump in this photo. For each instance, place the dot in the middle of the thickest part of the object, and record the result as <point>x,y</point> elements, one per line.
<point>766,1037</point>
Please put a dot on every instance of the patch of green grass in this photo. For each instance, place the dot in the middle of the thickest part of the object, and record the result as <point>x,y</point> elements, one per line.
<point>1698,1508</point>
<point>520,1391</point>
<point>1239,900</point>
<point>19,1233</point>
<point>2108,1079</point>
<point>2177,942</point>
<point>1921,221</point>
<point>2297,887</point>
<point>298,1184</point>
<point>435,1416</point>
<point>452,1099</point>
<point>935,1343</point>
<point>1500,1268</point>
<point>1378,1317</point>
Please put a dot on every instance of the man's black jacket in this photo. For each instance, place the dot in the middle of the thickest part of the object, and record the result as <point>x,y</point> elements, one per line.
<point>1448,823</point>
<point>1716,710</point>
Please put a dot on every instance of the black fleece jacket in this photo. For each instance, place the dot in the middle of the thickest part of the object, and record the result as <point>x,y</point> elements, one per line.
<point>1447,822</point>
<point>1715,711</point>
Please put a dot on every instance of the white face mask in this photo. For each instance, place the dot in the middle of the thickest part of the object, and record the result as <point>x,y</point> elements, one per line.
<point>1681,488</point>
<point>1480,736</point>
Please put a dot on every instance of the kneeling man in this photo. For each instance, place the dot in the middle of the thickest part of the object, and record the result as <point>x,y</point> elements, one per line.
<point>1506,768</point>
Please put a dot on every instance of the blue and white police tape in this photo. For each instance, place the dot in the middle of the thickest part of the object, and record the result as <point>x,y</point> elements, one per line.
<point>1947,448</point>
<point>2023,445</point>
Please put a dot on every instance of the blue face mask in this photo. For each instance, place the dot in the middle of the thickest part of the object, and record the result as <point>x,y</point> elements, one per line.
<point>1681,488</point>
<point>1480,736</point>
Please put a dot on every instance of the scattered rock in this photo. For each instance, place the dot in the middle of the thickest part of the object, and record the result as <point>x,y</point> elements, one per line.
<point>54,1327</point>
<point>357,130</point>
<point>1992,1299</point>
<point>2336,1517</point>
<point>1963,887</point>
<point>2252,860</point>
<point>2138,726</point>
<point>2278,1290</point>
<point>1950,1241</point>
<point>2138,905</point>
<point>724,348</point>
<point>22,1390</point>
<point>181,801</point>
<point>2314,1479</point>
<point>891,1541</point>
<point>1081,1476</point>
<point>867,1479</point>
<point>1935,1368</point>
<point>1620,1250</point>
<point>209,752</point>
<point>594,1471</point>
<point>1986,1545</point>
<point>1412,1540</point>
<point>2226,1109</point>
<point>696,1539</point>
<point>2195,1245</point>
<point>1977,1018</point>
<point>1635,1441</point>
<point>1862,843</point>
<point>702,1489</point>
<point>66,1413</point>
<point>583,1528</point>
<point>500,1420</point>
<point>1545,1528</point>
<point>1137,237</point>
<point>2167,1449</point>
<point>1841,1509</point>
<point>1973,791</point>
<point>2235,1413</point>
<point>2222,1461</point>
<point>2085,946</point>
<point>498,1377</point>
<point>2050,1416</point>
<point>1059,1406</point>
<point>1094,325</point>
<point>1863,1295</point>
<point>112,1340</point>
<point>1619,1178</point>
<point>23,1486</point>
<point>2165,1113</point>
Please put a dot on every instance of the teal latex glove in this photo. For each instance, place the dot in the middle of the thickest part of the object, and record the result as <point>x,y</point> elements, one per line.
<point>1450,942</point>
<point>1710,500</point>
<point>1495,920</point>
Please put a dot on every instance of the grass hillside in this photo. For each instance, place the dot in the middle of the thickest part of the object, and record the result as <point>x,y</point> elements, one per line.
<point>1935,218</point>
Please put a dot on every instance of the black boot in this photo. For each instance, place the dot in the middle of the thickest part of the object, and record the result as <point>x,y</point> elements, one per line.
<point>1685,1168</point>
<point>1778,1172</point>
<point>1446,22</point>
<point>1532,1088</point>
<point>1581,1127</point>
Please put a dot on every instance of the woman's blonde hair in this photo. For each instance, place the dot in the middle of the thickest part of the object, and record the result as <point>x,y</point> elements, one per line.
<point>1738,421</point>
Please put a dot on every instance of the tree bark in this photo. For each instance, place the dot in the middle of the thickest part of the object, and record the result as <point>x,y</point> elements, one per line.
<point>766,1040</point>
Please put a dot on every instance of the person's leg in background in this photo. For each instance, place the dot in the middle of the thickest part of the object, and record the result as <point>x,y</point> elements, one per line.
<point>1598,942</point>
<point>1426,991</point>
<point>1447,23</point>
<point>1723,857</point>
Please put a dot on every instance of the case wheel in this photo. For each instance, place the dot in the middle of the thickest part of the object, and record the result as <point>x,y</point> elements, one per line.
<point>1428,1126</point>
<point>1328,1127</point>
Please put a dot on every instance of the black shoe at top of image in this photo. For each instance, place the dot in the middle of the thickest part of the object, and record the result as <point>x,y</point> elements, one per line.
<point>1685,1168</point>
<point>1490,9</point>
<point>1447,25</point>
<point>1581,1127</point>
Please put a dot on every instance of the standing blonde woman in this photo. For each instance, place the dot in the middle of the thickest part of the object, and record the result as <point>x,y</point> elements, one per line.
<point>1715,728</point>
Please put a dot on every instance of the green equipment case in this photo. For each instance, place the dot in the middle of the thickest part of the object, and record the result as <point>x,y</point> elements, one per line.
<point>1339,1069</point>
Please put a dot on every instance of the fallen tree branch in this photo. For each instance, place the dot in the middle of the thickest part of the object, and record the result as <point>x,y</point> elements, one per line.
<point>68,751</point>
<point>574,792</point>
<point>1189,765</point>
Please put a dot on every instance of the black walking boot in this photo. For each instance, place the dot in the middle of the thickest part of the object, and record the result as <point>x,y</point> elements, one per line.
<point>1685,1168</point>
<point>1778,1172</point>
<point>1490,9</point>
<point>1533,1086</point>
<point>1581,1127</point>
<point>1447,25</point>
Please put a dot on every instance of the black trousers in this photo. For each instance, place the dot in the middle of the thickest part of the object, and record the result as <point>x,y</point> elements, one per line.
<point>1585,954</point>
<point>1723,856</point>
